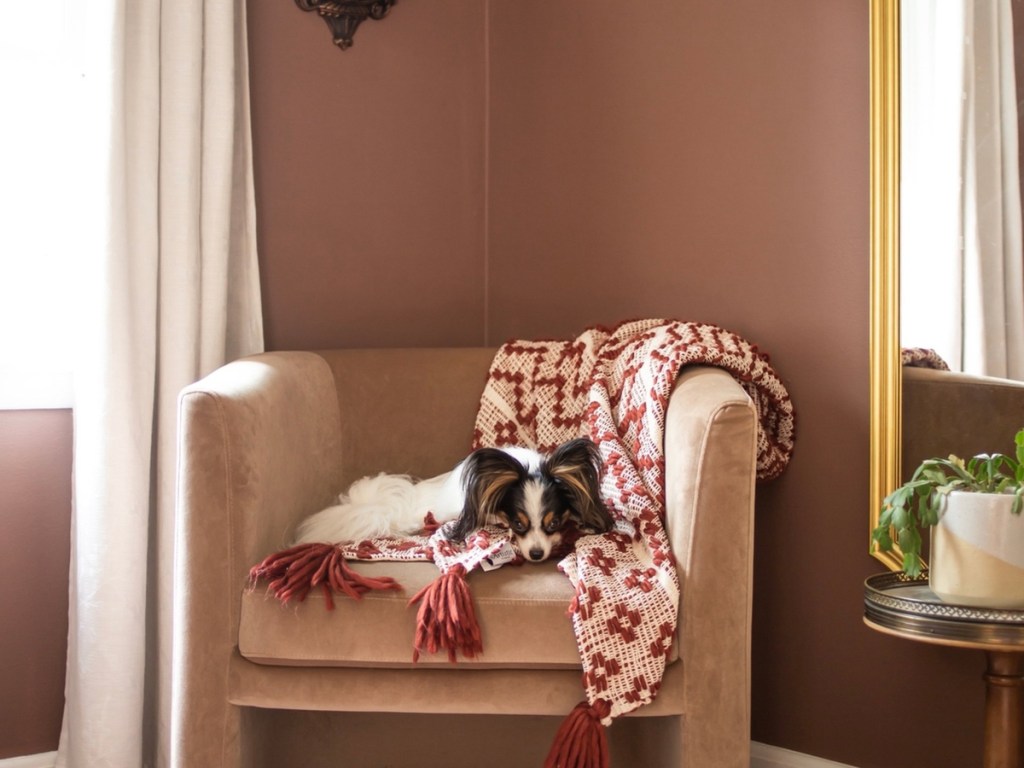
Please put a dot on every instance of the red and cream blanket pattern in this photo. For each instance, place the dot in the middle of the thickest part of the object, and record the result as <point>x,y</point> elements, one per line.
<point>612,385</point>
<point>922,357</point>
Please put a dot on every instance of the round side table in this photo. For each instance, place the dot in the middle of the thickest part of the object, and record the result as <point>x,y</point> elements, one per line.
<point>904,607</point>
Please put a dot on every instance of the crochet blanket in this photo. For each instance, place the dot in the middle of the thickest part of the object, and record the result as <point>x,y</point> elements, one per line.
<point>921,357</point>
<point>614,386</point>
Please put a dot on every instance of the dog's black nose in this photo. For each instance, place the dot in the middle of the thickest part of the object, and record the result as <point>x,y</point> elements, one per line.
<point>536,554</point>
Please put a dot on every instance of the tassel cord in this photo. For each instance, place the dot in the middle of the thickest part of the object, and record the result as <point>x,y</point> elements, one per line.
<point>292,573</point>
<point>581,740</point>
<point>446,619</point>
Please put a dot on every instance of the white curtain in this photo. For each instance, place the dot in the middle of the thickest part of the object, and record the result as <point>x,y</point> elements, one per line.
<point>962,267</point>
<point>170,291</point>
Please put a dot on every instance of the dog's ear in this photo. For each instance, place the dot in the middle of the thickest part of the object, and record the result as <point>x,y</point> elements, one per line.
<point>576,467</point>
<point>486,476</point>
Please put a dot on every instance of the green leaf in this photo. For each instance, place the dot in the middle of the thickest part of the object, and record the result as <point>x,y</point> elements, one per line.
<point>901,518</point>
<point>910,541</point>
<point>911,564</point>
<point>899,499</point>
<point>882,538</point>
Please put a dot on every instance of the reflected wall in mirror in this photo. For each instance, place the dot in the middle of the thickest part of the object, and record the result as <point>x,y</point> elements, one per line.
<point>947,271</point>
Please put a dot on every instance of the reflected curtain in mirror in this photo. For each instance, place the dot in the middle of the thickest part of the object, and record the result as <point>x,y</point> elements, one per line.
<point>960,212</point>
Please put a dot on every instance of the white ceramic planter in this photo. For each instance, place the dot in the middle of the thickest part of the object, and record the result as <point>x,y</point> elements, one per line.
<point>977,555</point>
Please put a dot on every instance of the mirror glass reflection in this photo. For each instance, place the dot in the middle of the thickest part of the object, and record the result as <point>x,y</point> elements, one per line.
<point>961,252</point>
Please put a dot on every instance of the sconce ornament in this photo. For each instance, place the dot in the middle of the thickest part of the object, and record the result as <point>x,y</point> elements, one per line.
<point>344,17</point>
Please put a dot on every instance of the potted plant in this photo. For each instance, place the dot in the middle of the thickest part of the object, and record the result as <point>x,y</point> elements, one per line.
<point>973,509</point>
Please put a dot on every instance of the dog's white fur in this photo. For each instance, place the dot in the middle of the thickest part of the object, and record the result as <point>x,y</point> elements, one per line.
<point>395,505</point>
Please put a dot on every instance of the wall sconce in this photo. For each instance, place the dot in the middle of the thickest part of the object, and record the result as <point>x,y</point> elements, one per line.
<point>345,16</point>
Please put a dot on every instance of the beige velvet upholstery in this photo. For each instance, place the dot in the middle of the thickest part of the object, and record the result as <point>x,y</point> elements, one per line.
<point>267,440</point>
<point>376,630</point>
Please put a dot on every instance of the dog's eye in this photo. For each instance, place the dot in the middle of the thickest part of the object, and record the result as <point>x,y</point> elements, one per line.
<point>553,523</point>
<point>519,525</point>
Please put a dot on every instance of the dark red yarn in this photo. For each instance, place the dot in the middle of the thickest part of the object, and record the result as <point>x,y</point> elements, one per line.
<point>446,619</point>
<point>581,741</point>
<point>292,573</point>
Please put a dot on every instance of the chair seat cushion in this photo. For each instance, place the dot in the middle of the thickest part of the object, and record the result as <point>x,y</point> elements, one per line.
<point>522,612</point>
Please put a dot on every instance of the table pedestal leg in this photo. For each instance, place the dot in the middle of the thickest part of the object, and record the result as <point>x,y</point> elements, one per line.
<point>1004,710</point>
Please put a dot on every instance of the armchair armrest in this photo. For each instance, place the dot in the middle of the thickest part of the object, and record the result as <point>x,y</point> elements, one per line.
<point>258,448</point>
<point>264,450</point>
<point>710,454</point>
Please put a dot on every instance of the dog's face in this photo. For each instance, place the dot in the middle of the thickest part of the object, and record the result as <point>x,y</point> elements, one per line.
<point>535,512</point>
<point>536,501</point>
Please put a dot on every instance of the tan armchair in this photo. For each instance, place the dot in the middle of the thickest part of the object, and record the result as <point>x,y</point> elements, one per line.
<point>267,440</point>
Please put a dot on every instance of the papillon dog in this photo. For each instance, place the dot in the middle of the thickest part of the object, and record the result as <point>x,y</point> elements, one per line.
<point>538,497</point>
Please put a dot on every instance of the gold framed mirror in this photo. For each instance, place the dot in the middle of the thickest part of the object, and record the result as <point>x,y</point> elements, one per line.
<point>884,364</point>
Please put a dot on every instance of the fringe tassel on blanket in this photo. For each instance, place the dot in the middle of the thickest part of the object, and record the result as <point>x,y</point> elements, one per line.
<point>446,619</point>
<point>291,574</point>
<point>581,741</point>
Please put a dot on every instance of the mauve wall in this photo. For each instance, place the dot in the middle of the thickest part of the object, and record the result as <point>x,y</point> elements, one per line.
<point>370,176</point>
<point>35,517</point>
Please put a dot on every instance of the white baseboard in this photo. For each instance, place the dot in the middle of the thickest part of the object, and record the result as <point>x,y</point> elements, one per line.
<point>766,756</point>
<point>44,760</point>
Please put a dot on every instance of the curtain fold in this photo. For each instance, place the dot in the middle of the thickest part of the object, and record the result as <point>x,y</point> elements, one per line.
<point>993,281</point>
<point>170,291</point>
<point>962,266</point>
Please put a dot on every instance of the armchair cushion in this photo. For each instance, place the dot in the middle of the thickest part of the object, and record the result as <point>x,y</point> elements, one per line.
<point>377,630</point>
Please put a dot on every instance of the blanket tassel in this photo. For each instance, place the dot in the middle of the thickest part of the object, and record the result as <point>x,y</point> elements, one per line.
<point>446,619</point>
<point>292,573</point>
<point>581,741</point>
